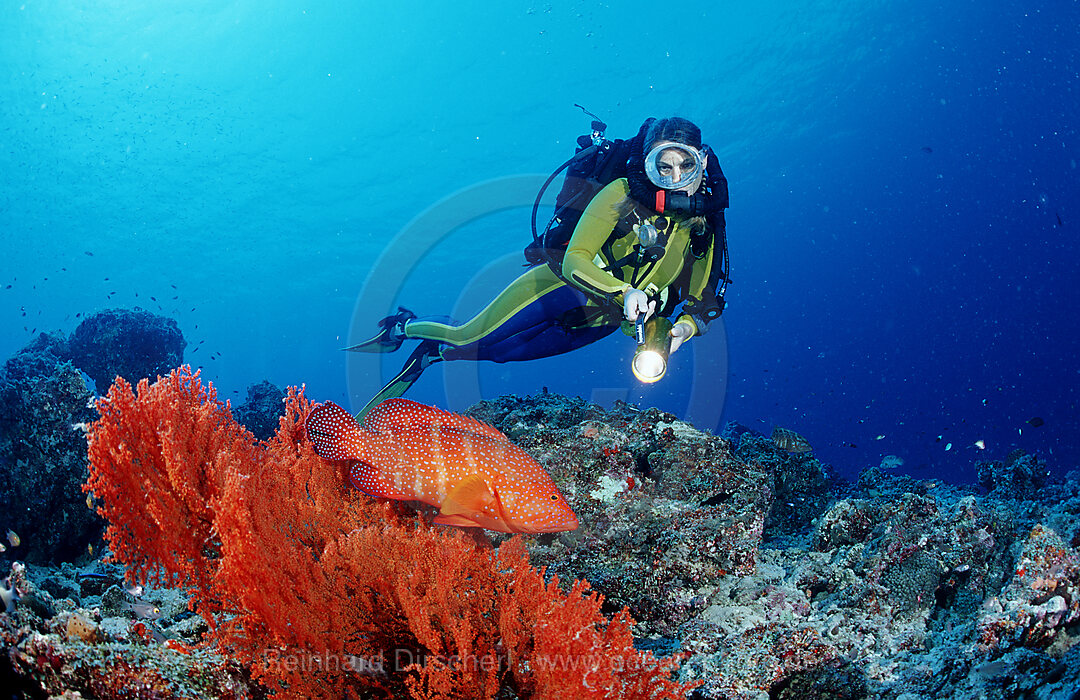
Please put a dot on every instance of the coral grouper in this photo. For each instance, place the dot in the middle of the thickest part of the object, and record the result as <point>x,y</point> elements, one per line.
<point>466,468</point>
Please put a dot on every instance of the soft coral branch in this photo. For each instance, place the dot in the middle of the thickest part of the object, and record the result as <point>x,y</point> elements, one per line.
<point>156,471</point>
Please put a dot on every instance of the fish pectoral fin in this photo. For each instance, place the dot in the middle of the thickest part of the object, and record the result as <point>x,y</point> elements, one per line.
<point>471,496</point>
<point>458,520</point>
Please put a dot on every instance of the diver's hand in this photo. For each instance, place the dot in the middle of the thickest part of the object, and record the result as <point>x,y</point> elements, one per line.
<point>635,303</point>
<point>680,333</point>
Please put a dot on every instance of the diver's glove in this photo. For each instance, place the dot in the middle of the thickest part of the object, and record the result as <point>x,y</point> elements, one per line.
<point>680,333</point>
<point>635,303</point>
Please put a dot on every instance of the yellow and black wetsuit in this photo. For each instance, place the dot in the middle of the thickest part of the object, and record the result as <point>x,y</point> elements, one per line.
<point>542,313</point>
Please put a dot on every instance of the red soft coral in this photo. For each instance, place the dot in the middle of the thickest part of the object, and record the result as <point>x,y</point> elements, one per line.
<point>322,591</point>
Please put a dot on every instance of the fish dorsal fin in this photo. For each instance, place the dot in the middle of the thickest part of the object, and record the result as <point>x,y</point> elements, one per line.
<point>470,496</point>
<point>396,414</point>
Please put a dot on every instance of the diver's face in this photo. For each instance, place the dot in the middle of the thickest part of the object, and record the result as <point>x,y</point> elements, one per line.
<point>675,163</point>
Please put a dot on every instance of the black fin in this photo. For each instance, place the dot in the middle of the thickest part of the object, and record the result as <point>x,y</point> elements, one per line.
<point>390,336</point>
<point>421,358</point>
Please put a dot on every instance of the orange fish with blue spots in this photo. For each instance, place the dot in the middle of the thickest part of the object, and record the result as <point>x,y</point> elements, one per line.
<point>466,468</point>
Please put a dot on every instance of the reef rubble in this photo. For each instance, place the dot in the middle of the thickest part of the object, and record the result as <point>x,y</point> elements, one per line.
<point>771,576</point>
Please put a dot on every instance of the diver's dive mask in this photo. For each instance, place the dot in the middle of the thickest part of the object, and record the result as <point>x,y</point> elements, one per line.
<point>673,166</point>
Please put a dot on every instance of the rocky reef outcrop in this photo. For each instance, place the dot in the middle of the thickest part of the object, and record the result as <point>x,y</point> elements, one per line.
<point>130,343</point>
<point>45,407</point>
<point>261,409</point>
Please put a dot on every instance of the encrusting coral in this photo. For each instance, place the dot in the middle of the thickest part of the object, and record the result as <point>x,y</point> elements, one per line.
<point>323,591</point>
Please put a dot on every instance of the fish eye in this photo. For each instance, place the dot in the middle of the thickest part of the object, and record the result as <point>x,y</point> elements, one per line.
<point>554,497</point>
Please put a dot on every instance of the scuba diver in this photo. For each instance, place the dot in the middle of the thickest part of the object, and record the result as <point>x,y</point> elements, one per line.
<point>651,238</point>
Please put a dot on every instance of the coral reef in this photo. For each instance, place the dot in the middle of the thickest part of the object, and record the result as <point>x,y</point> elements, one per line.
<point>64,649</point>
<point>133,344</point>
<point>770,578</point>
<point>802,486</point>
<point>1041,603</point>
<point>664,508</point>
<point>1019,476</point>
<point>889,588</point>
<point>44,411</point>
<point>262,409</point>
<point>45,408</point>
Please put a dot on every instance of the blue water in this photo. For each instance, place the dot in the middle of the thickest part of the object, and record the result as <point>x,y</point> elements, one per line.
<point>904,191</point>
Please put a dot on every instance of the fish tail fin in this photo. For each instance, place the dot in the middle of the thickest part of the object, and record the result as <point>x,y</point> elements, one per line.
<point>335,434</point>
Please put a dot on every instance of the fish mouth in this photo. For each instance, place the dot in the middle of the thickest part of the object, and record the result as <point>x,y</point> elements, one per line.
<point>543,529</point>
<point>563,527</point>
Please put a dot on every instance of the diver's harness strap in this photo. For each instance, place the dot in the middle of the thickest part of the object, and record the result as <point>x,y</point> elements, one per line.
<point>712,303</point>
<point>642,259</point>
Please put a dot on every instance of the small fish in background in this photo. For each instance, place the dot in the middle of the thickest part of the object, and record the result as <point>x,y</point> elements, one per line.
<point>927,150</point>
<point>13,539</point>
<point>1060,223</point>
<point>892,462</point>
<point>126,596</point>
<point>141,609</point>
<point>980,444</point>
<point>466,468</point>
<point>790,441</point>
<point>1035,422</point>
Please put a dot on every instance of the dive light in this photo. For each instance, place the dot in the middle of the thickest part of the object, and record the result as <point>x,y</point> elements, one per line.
<point>654,343</point>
